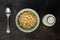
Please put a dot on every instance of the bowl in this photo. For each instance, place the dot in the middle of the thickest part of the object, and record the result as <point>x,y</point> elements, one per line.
<point>49,20</point>
<point>21,12</point>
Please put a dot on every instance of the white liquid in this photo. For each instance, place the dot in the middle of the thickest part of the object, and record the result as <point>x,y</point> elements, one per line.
<point>51,19</point>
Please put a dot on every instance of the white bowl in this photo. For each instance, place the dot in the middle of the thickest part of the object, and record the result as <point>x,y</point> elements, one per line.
<point>37,24</point>
<point>49,20</point>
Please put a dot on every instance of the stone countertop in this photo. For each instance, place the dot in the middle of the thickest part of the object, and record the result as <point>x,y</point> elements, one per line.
<point>42,7</point>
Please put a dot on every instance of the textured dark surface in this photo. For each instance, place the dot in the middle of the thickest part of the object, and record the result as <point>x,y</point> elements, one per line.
<point>42,7</point>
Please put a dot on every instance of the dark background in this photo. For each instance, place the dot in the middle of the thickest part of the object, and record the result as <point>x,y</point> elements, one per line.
<point>42,7</point>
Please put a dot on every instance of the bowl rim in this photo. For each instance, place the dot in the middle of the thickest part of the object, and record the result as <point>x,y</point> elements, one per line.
<point>38,20</point>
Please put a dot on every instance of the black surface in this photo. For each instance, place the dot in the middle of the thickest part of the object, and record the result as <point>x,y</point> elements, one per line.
<point>42,7</point>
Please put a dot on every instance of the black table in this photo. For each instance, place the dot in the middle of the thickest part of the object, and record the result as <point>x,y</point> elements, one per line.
<point>42,7</point>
